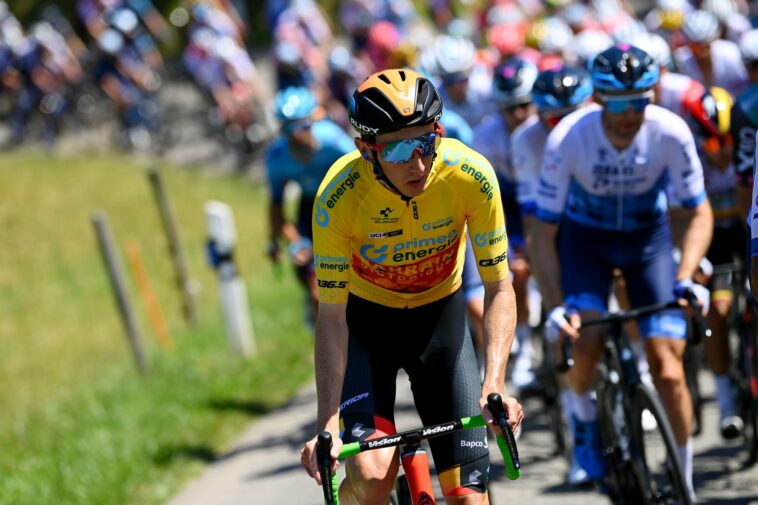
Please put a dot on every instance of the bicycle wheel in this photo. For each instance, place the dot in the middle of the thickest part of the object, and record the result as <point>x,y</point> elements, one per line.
<point>553,408</point>
<point>656,462</point>
<point>747,369</point>
<point>620,485</point>
<point>749,414</point>
<point>402,493</point>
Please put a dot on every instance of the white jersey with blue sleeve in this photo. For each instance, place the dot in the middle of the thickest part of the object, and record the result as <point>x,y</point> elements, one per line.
<point>528,144</point>
<point>528,147</point>
<point>491,139</point>
<point>594,184</point>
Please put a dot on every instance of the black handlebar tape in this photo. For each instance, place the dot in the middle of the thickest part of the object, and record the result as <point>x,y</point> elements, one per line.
<point>691,298</point>
<point>323,448</point>
<point>495,403</point>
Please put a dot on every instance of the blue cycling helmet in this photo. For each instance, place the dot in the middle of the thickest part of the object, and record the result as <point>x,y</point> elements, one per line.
<point>623,67</point>
<point>294,103</point>
<point>561,88</point>
<point>512,82</point>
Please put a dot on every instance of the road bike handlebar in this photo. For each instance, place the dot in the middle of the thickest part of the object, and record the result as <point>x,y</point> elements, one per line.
<point>628,315</point>
<point>566,361</point>
<point>506,444</point>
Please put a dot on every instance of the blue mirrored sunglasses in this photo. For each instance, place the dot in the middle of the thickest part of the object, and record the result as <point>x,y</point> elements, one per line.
<point>620,104</point>
<point>401,151</point>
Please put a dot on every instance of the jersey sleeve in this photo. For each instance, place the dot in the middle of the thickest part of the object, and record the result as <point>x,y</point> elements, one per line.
<point>527,170</point>
<point>331,252</point>
<point>555,175</point>
<point>685,169</point>
<point>485,218</point>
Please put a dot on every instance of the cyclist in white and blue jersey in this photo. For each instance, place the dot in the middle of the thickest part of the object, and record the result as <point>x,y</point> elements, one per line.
<point>512,92</point>
<point>556,93</point>
<point>603,180</point>
<point>303,154</point>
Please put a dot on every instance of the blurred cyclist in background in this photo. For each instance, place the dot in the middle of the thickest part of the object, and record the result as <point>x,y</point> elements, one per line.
<point>707,58</point>
<point>307,147</point>
<point>512,92</point>
<point>709,116</point>
<point>556,93</point>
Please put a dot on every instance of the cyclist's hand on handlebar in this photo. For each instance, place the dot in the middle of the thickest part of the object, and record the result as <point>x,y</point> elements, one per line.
<point>684,287</point>
<point>301,251</point>
<point>512,409</point>
<point>562,321</point>
<point>309,459</point>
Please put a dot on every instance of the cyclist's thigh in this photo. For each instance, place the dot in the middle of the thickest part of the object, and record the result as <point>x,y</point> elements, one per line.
<point>586,271</point>
<point>368,390</point>
<point>727,244</point>
<point>446,386</point>
<point>650,274</point>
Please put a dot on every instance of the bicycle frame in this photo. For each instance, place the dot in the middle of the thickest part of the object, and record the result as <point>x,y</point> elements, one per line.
<point>624,390</point>
<point>506,444</point>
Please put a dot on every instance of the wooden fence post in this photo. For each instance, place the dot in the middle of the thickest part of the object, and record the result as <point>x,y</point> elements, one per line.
<point>181,272</point>
<point>108,250</point>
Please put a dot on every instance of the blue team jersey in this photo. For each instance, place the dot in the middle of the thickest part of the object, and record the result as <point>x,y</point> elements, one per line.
<point>282,166</point>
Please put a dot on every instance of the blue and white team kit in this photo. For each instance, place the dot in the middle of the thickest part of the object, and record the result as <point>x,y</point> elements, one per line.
<point>612,208</point>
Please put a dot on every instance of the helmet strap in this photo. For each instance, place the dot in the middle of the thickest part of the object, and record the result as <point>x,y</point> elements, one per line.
<point>379,173</point>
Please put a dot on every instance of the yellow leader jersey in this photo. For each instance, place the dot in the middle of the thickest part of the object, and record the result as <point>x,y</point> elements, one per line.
<point>370,242</point>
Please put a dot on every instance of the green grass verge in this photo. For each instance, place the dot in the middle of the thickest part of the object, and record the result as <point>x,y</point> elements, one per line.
<point>77,424</point>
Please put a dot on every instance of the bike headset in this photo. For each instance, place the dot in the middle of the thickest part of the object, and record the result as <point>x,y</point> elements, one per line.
<point>512,82</point>
<point>388,101</point>
<point>561,89</point>
<point>294,105</point>
<point>623,67</point>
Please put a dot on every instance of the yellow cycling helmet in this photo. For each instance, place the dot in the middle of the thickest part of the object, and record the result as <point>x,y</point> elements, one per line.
<point>394,99</point>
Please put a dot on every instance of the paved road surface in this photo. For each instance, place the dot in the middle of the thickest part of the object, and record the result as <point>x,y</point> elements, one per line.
<point>263,467</point>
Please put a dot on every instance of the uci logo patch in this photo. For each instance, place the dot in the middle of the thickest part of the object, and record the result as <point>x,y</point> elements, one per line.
<point>322,216</point>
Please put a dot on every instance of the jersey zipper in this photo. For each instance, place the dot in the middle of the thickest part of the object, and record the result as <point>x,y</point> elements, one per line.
<point>620,193</point>
<point>409,215</point>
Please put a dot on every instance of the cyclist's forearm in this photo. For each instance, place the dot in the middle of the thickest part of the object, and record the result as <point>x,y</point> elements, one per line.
<point>276,221</point>
<point>544,259</point>
<point>499,328</point>
<point>331,358</point>
<point>697,239</point>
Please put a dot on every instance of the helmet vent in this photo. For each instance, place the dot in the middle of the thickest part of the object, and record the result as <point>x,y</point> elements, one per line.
<point>402,75</point>
<point>384,78</point>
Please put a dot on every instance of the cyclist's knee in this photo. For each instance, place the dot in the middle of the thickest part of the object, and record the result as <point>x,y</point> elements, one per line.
<point>372,474</point>
<point>667,369</point>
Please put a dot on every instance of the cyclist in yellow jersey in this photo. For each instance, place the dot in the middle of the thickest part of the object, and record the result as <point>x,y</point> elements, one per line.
<point>389,241</point>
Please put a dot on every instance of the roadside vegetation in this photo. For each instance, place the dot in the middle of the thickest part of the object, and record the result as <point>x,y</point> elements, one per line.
<point>78,425</point>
